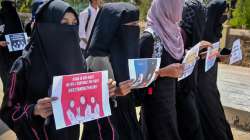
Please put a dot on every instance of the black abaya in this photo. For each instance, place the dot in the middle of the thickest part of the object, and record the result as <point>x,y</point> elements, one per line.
<point>10,19</point>
<point>192,23</point>
<point>56,53</point>
<point>158,116</point>
<point>113,39</point>
<point>213,119</point>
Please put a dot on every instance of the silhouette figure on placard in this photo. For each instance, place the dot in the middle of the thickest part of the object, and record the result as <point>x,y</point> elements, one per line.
<point>81,109</point>
<point>70,113</point>
<point>96,113</point>
<point>88,113</point>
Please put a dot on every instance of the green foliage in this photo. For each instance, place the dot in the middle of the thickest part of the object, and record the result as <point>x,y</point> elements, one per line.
<point>24,5</point>
<point>144,6</point>
<point>79,5</point>
<point>241,15</point>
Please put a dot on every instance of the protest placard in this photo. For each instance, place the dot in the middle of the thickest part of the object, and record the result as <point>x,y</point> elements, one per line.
<point>142,71</point>
<point>236,54</point>
<point>80,98</point>
<point>189,61</point>
<point>212,53</point>
<point>17,41</point>
<point>2,28</point>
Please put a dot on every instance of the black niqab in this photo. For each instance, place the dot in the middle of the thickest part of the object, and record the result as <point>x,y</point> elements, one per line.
<point>215,19</point>
<point>55,46</point>
<point>12,24</point>
<point>10,18</point>
<point>55,51</point>
<point>112,38</point>
<point>213,119</point>
<point>193,23</point>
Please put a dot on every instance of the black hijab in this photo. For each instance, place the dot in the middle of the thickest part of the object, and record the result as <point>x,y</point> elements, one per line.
<point>56,49</point>
<point>12,24</point>
<point>193,21</point>
<point>10,18</point>
<point>112,38</point>
<point>215,19</point>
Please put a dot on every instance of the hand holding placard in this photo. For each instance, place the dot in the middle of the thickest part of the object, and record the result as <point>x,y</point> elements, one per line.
<point>81,98</point>
<point>212,53</point>
<point>189,61</point>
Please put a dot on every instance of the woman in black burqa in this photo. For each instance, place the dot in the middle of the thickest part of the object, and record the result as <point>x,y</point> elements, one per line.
<point>114,40</point>
<point>193,25</point>
<point>10,23</point>
<point>53,50</point>
<point>213,119</point>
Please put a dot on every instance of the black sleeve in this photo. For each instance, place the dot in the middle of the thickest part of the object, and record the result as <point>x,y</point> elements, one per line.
<point>186,24</point>
<point>98,46</point>
<point>146,44</point>
<point>16,112</point>
<point>188,16</point>
<point>28,29</point>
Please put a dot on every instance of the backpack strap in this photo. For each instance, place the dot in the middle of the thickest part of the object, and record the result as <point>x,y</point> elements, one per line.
<point>88,19</point>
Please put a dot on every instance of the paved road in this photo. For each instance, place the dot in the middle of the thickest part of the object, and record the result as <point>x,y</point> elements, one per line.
<point>234,86</point>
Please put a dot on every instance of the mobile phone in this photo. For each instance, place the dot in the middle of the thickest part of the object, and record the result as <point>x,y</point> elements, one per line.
<point>225,51</point>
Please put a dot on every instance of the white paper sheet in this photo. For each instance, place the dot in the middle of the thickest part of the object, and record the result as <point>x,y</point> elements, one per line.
<point>236,54</point>
<point>142,71</point>
<point>190,61</point>
<point>212,53</point>
<point>16,41</point>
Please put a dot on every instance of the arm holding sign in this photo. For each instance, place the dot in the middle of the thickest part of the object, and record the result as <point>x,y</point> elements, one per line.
<point>205,44</point>
<point>112,87</point>
<point>3,44</point>
<point>225,54</point>
<point>173,71</point>
<point>43,107</point>
<point>16,112</point>
<point>123,89</point>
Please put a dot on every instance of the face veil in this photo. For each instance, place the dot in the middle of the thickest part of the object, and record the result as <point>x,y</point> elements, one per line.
<point>116,35</point>
<point>215,19</point>
<point>56,50</point>
<point>10,18</point>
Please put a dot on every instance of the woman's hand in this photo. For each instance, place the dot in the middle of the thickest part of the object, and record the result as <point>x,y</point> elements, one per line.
<point>43,107</point>
<point>124,88</point>
<point>112,87</point>
<point>224,58</point>
<point>205,44</point>
<point>173,71</point>
<point>203,55</point>
<point>3,44</point>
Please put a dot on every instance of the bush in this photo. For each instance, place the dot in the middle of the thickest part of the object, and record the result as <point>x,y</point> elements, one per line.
<point>25,5</point>
<point>241,15</point>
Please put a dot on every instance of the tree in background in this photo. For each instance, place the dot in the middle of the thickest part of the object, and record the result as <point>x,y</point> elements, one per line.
<point>79,5</point>
<point>241,15</point>
<point>24,5</point>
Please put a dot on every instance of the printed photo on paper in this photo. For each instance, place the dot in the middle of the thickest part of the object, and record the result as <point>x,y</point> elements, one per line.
<point>189,61</point>
<point>236,54</point>
<point>17,41</point>
<point>142,71</point>
<point>212,53</point>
